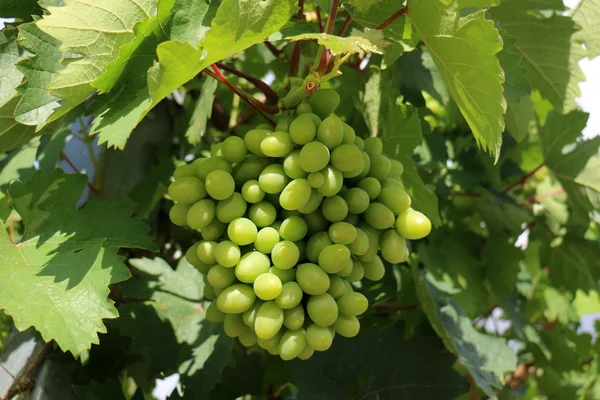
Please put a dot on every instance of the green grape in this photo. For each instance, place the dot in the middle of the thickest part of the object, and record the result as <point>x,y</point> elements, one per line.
<point>236,299</point>
<point>293,229</point>
<point>262,214</point>
<point>333,181</point>
<point>178,214</point>
<point>209,293</point>
<point>283,214</point>
<point>316,243</point>
<point>360,245</point>
<point>219,185</point>
<point>284,275</point>
<point>314,156</point>
<point>397,169</point>
<point>199,161</point>
<point>366,165</point>
<point>337,287</point>
<point>213,314</point>
<point>295,195</point>
<point>301,245</point>
<point>380,166</point>
<point>342,233</point>
<point>266,239</point>
<point>186,170</point>
<point>234,149</point>
<point>391,182</point>
<point>269,320</point>
<point>220,277</point>
<point>249,170</point>
<point>357,200</point>
<point>394,198</point>
<point>324,102</point>
<point>315,119</point>
<point>352,304</point>
<point>319,338</point>
<point>277,144</point>
<point>373,243</point>
<point>304,108</point>
<point>267,286</point>
<point>249,316</point>
<point>214,164</point>
<point>290,297</point>
<point>233,325</point>
<point>316,179</point>
<point>203,268</point>
<point>292,344</point>
<point>251,192</point>
<point>227,254</point>
<point>347,157</point>
<point>313,203</point>
<point>413,225</point>
<point>201,214</point>
<point>322,309</point>
<point>303,129</point>
<point>358,142</point>
<point>263,126</point>
<point>370,185</point>
<point>306,353</point>
<point>242,231</point>
<point>231,208</point>
<point>206,252</point>
<point>358,271</point>
<point>331,132</point>
<point>253,140</point>
<point>316,222</point>
<point>247,338</point>
<point>214,230</point>
<point>393,247</point>
<point>285,255</point>
<point>291,165</point>
<point>349,134</point>
<point>293,318</point>
<point>187,190</point>
<point>251,265</point>
<point>273,179</point>
<point>334,209</point>
<point>216,150</point>
<point>347,326</point>
<point>373,146</point>
<point>272,344</point>
<point>356,171</point>
<point>312,279</point>
<point>333,257</point>
<point>352,219</point>
<point>283,124</point>
<point>374,270</point>
<point>379,216</point>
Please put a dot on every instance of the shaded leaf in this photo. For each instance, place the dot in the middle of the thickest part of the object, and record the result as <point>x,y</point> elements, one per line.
<point>516,85</point>
<point>202,111</point>
<point>519,116</point>
<point>18,8</point>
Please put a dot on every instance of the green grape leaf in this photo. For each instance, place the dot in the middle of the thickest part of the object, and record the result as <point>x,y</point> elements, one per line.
<point>519,118</point>
<point>402,132</point>
<point>185,15</point>
<point>486,357</point>
<point>516,85</point>
<point>372,13</point>
<point>587,15</point>
<point>56,277</point>
<point>13,134</point>
<point>559,306</point>
<point>546,48</point>
<point>501,262</point>
<point>464,50</point>
<point>10,54</point>
<point>18,8</point>
<point>574,163</point>
<point>202,111</point>
<point>393,368</point>
<point>353,44</point>
<point>574,265</point>
<point>96,391</point>
<point>36,103</point>
<point>93,31</point>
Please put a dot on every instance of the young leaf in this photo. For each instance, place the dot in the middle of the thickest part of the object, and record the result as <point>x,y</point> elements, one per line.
<point>56,277</point>
<point>202,111</point>
<point>587,15</point>
<point>464,50</point>
<point>337,45</point>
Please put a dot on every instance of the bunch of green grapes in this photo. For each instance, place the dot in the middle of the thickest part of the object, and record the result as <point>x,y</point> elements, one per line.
<point>291,217</point>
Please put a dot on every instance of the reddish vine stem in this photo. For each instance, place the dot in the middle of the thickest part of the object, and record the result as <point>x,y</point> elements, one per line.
<point>535,199</point>
<point>319,20</point>
<point>295,61</point>
<point>524,178</point>
<point>300,9</point>
<point>332,15</point>
<point>76,170</point>
<point>23,381</point>
<point>347,24</point>
<point>391,19</point>
<point>276,52</point>
<point>269,93</point>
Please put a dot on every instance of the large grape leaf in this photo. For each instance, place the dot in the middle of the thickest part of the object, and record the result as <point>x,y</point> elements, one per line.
<point>486,357</point>
<point>464,50</point>
<point>519,116</point>
<point>516,85</point>
<point>93,31</point>
<point>546,45</point>
<point>56,276</point>
<point>587,15</point>
<point>10,54</point>
<point>391,368</point>
<point>18,8</point>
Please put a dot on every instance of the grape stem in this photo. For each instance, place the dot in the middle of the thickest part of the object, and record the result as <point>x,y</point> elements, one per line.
<point>269,93</point>
<point>295,61</point>
<point>319,20</point>
<point>347,24</point>
<point>89,142</point>
<point>276,52</point>
<point>76,170</point>
<point>537,198</point>
<point>23,381</point>
<point>524,178</point>
<point>391,19</point>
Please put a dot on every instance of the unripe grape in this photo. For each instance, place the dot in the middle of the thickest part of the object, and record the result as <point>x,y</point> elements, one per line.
<point>231,208</point>
<point>347,157</point>
<point>319,338</point>
<point>227,254</point>
<point>209,293</point>
<point>342,233</point>
<point>312,279</point>
<point>347,326</point>
<point>314,156</point>
<point>373,146</point>
<point>295,195</point>
<point>293,229</point>
<point>220,277</point>
<point>316,179</point>
<point>349,134</point>
<point>306,353</point>
<point>393,247</point>
<point>284,275</point>
<point>266,239</point>
<point>213,230</point>
<point>213,314</point>
<point>251,265</point>
<point>360,245</point>
<point>292,344</point>
<point>249,170</point>
<point>285,255</point>
<point>316,243</point>
<point>379,216</point>
<point>334,208</point>
<point>413,225</point>
<point>214,164</point>
<point>269,320</point>
<point>357,273</point>
<point>333,257</point>
<point>374,270</point>
<point>291,295</point>
<point>216,150</point>
<point>201,214</point>
<point>236,299</point>
<point>358,142</point>
<point>242,231</point>
<point>233,325</point>
<point>185,170</point>
<point>303,108</point>
<point>380,166</point>
<point>396,199</point>
<point>293,318</point>
<point>247,338</point>
<point>397,168</point>
<point>352,304</point>
<point>234,149</point>
<point>331,132</point>
<point>178,214</point>
<point>324,102</point>
<point>316,222</point>
<point>333,181</point>
<point>337,287</point>
<point>303,129</point>
<point>187,190</point>
<point>312,204</point>
<point>262,214</point>
<point>272,344</point>
<point>291,165</point>
<point>249,316</point>
<point>253,140</point>
<point>322,309</point>
<point>251,192</point>
<point>370,185</point>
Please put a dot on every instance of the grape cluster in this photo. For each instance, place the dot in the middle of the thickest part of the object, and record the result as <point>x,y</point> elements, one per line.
<point>290,218</point>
